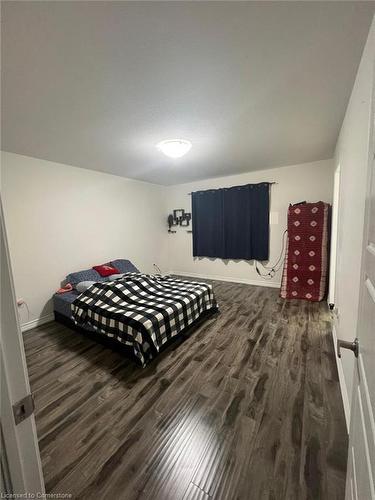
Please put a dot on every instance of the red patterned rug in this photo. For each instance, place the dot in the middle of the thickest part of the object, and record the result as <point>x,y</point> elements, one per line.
<point>306,260</point>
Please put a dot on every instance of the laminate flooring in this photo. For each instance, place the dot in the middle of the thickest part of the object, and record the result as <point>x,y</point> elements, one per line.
<point>247,407</point>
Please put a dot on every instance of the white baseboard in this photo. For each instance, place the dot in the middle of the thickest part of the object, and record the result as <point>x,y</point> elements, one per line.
<point>343,388</point>
<point>37,322</point>
<point>215,277</point>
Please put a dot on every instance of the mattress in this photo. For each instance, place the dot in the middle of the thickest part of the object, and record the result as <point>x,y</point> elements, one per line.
<point>143,312</point>
<point>62,303</point>
<point>306,262</point>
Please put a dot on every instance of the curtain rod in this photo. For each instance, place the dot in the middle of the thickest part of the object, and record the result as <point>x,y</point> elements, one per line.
<point>261,183</point>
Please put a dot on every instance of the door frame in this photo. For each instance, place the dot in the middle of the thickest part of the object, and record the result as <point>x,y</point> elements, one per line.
<point>334,236</point>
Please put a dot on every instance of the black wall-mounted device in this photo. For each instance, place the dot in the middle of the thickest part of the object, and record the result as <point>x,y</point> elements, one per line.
<point>179,217</point>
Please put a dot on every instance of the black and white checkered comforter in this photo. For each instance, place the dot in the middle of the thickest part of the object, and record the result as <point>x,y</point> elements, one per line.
<point>142,311</point>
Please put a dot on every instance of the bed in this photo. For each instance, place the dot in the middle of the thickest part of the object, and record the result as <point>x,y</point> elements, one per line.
<point>141,312</point>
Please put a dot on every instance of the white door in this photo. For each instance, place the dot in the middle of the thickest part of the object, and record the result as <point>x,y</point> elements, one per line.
<point>361,459</point>
<point>20,460</point>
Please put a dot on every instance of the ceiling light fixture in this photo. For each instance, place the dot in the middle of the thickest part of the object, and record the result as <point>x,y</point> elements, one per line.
<point>174,148</point>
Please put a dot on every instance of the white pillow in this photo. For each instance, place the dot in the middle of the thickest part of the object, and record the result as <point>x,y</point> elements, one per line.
<point>84,285</point>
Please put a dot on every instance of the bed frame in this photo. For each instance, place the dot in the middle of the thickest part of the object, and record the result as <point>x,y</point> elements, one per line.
<point>126,350</point>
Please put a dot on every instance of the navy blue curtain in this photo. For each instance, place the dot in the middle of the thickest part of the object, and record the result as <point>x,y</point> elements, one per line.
<point>232,223</point>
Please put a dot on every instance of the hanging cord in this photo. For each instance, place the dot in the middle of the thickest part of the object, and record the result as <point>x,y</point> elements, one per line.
<point>24,303</point>
<point>272,270</point>
<point>157,268</point>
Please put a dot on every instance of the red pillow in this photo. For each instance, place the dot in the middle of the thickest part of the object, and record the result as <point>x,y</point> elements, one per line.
<point>106,270</point>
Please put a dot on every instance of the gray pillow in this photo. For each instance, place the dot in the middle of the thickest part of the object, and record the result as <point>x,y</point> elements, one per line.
<point>86,275</point>
<point>124,266</point>
<point>84,285</point>
<point>114,277</point>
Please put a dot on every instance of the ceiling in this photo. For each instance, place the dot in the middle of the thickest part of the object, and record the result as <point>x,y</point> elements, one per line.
<point>251,84</point>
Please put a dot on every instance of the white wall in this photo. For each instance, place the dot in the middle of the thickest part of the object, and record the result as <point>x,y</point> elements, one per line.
<point>61,219</point>
<point>309,181</point>
<point>351,154</point>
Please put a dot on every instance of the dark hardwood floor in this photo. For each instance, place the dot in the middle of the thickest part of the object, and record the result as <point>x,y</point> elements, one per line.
<point>248,407</point>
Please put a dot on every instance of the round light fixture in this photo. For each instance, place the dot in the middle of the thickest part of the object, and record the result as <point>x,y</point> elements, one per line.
<point>174,148</point>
